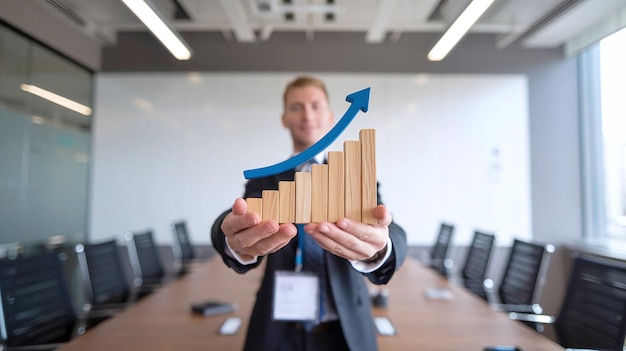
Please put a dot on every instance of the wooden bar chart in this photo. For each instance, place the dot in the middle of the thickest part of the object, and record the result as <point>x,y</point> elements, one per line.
<point>345,187</point>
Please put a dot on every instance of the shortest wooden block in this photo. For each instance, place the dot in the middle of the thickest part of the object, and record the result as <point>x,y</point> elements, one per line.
<point>255,205</point>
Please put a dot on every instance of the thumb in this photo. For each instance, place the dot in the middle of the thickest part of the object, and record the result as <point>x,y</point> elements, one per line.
<point>240,207</point>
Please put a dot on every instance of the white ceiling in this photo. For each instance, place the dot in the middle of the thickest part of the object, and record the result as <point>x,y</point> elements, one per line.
<point>538,23</point>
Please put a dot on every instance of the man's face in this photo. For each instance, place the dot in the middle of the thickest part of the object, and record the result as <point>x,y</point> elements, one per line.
<point>307,116</point>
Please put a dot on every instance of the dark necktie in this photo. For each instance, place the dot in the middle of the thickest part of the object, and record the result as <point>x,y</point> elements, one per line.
<point>314,261</point>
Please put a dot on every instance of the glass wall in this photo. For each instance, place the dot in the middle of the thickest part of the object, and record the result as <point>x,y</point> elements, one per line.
<point>44,143</point>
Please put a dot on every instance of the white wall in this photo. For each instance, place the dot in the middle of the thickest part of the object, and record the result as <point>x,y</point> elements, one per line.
<point>174,146</point>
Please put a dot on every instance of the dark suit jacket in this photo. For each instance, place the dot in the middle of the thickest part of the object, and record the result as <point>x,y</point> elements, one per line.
<point>348,287</point>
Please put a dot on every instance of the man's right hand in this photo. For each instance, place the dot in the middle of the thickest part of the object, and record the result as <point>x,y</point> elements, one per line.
<point>250,237</point>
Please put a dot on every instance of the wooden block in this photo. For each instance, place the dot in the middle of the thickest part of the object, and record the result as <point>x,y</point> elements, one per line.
<point>369,199</point>
<point>270,205</point>
<point>255,205</point>
<point>287,202</point>
<point>352,164</point>
<point>303,197</point>
<point>336,186</point>
<point>319,193</point>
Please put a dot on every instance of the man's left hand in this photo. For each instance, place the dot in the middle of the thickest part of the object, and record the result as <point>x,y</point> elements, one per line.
<point>353,240</point>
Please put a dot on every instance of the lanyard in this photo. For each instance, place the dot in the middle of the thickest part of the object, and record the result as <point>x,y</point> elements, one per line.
<point>300,250</point>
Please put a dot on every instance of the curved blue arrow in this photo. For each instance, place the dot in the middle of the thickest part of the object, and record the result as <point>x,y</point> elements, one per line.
<point>358,101</point>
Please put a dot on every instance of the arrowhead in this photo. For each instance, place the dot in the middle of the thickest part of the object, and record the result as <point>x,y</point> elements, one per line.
<point>360,99</point>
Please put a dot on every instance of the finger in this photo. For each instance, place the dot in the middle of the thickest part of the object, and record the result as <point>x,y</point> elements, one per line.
<point>346,244</point>
<point>383,216</point>
<point>239,219</point>
<point>250,237</point>
<point>345,248</point>
<point>240,207</point>
<point>277,241</point>
<point>375,235</point>
<point>274,242</point>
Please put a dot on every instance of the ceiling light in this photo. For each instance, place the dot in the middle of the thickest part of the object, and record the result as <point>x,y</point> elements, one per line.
<point>157,25</point>
<point>38,120</point>
<point>57,99</point>
<point>457,30</point>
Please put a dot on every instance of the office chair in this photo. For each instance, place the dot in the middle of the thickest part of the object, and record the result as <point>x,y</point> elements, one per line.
<point>106,288</point>
<point>476,263</point>
<point>37,311</point>
<point>593,312</point>
<point>145,261</point>
<point>437,259</point>
<point>522,280</point>
<point>183,249</point>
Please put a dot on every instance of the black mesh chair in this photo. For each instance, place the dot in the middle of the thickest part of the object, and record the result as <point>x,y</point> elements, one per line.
<point>476,263</point>
<point>145,260</point>
<point>36,303</point>
<point>522,280</point>
<point>104,282</point>
<point>184,254</point>
<point>593,312</point>
<point>438,253</point>
<point>183,249</point>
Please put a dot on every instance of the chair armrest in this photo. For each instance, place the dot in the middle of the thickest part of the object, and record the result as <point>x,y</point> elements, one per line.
<point>115,306</point>
<point>100,313</point>
<point>533,318</point>
<point>529,309</point>
<point>147,286</point>
<point>94,312</point>
<point>41,347</point>
<point>491,292</point>
<point>496,305</point>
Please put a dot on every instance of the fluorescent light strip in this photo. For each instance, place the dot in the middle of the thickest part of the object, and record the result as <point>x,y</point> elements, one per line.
<point>57,99</point>
<point>457,30</point>
<point>159,28</point>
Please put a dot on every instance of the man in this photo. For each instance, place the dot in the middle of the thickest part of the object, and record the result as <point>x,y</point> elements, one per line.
<point>351,249</point>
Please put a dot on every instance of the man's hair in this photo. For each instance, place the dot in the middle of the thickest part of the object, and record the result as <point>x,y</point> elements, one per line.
<point>304,81</point>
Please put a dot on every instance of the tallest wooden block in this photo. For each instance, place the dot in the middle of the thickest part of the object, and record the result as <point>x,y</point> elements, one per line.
<point>369,200</point>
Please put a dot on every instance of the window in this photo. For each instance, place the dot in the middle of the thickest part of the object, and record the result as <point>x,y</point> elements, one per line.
<point>613,107</point>
<point>603,136</point>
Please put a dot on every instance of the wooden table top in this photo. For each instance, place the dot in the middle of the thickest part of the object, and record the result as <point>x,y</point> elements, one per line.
<point>163,320</point>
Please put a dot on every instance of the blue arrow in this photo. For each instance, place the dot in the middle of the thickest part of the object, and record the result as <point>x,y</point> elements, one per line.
<point>358,101</point>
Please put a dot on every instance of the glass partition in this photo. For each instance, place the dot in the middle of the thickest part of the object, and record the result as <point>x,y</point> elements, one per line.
<point>44,144</point>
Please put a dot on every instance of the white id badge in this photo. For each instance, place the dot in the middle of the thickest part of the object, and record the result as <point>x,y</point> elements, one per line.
<point>296,296</point>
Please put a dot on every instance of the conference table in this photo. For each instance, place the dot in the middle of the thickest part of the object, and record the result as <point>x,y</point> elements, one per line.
<point>163,320</point>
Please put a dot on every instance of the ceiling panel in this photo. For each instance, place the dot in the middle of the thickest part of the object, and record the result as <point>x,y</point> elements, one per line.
<point>245,20</point>
<point>577,20</point>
